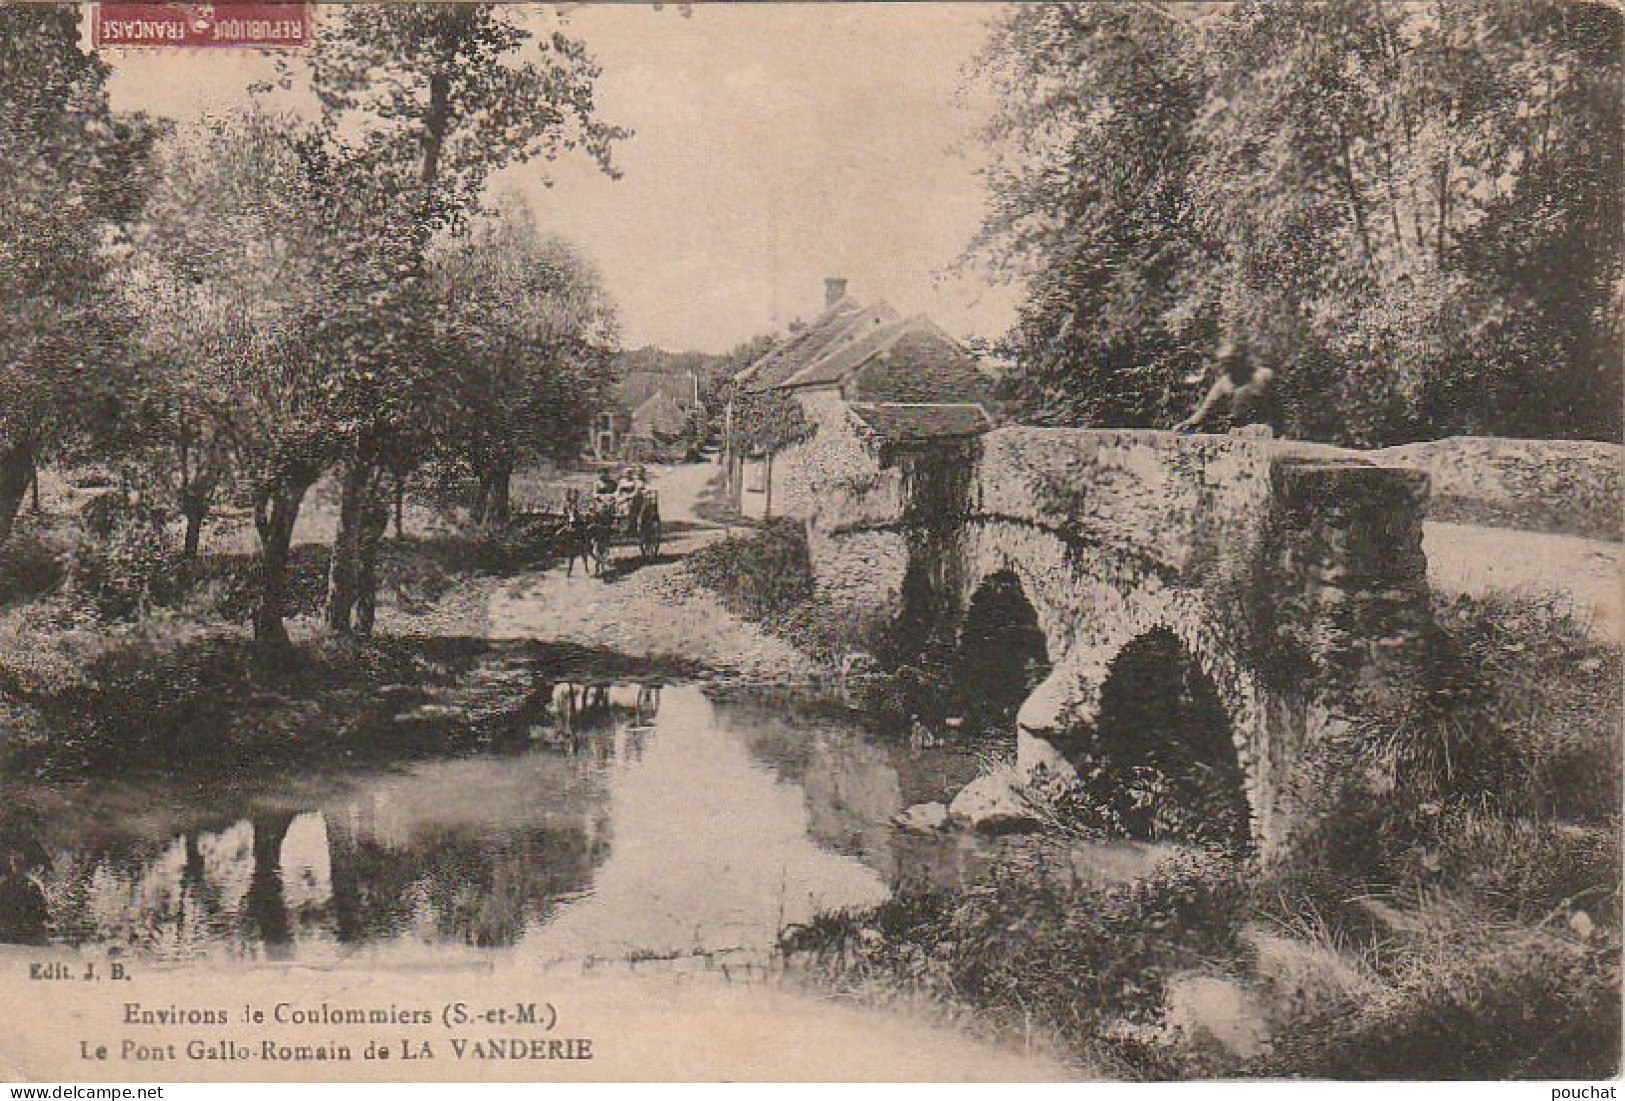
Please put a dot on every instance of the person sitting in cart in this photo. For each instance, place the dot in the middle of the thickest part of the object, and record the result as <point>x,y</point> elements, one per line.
<point>632,484</point>
<point>606,488</point>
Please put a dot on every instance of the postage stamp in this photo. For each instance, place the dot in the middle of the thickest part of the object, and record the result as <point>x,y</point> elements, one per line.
<point>151,26</point>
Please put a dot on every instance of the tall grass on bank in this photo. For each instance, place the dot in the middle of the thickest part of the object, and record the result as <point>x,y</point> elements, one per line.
<point>765,576</point>
<point>1033,949</point>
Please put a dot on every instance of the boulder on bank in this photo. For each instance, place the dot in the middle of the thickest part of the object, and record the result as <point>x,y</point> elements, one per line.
<point>991,804</point>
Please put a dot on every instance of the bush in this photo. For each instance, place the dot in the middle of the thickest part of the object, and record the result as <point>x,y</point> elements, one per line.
<point>764,574</point>
<point>416,579</point>
<point>1539,714</point>
<point>31,565</point>
<point>1532,1007</point>
<point>518,545</point>
<point>1519,868</point>
<point>228,585</point>
<point>161,691</point>
<point>125,574</point>
<point>1028,948</point>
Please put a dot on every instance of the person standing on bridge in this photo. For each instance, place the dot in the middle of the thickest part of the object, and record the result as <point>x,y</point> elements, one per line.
<point>1243,388</point>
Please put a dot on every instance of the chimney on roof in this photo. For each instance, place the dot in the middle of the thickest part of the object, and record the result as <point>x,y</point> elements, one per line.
<point>834,291</point>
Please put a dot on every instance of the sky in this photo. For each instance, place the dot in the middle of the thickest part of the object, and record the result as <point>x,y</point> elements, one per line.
<point>775,145</point>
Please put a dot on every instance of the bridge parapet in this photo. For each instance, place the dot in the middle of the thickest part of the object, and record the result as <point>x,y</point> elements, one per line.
<point>1166,502</point>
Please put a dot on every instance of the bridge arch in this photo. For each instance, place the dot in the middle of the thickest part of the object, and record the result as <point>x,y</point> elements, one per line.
<point>1001,652</point>
<point>1095,621</point>
<point>1162,730</point>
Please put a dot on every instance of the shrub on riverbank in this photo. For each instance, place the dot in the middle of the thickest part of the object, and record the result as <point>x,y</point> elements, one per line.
<point>763,575</point>
<point>170,692</point>
<point>1032,950</point>
<point>32,564</point>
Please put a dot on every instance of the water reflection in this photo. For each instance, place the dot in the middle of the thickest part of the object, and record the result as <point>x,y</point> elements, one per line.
<point>638,821</point>
<point>712,850</point>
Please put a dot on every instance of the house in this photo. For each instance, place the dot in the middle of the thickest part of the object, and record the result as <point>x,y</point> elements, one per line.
<point>892,384</point>
<point>649,417</point>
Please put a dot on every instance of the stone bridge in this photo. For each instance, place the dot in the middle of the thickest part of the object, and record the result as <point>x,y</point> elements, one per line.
<point>1291,575</point>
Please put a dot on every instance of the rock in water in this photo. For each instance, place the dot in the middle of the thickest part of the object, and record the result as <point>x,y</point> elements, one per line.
<point>1217,1010</point>
<point>922,818</point>
<point>990,804</point>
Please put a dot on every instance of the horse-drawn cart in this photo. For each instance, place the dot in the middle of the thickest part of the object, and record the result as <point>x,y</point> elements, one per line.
<point>639,516</point>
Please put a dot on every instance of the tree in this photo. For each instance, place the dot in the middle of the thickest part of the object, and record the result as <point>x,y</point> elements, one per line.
<point>423,102</point>
<point>1413,212</point>
<point>72,172</point>
<point>229,243</point>
<point>1090,205</point>
<point>527,335</point>
<point>175,427</point>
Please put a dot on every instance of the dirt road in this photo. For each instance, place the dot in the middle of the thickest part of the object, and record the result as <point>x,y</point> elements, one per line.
<point>645,611</point>
<point>1472,561</point>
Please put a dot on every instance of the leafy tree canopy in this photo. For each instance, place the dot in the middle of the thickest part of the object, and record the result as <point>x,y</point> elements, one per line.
<point>1412,211</point>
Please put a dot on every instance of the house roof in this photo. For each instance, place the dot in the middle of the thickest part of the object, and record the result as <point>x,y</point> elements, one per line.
<point>661,415</point>
<point>906,361</point>
<point>637,387</point>
<point>839,324</point>
<point>905,422</point>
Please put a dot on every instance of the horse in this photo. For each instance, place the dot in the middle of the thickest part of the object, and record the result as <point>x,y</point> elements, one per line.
<point>586,535</point>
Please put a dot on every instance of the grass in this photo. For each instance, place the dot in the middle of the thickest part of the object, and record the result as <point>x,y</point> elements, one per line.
<point>1032,950</point>
<point>116,654</point>
<point>170,692</point>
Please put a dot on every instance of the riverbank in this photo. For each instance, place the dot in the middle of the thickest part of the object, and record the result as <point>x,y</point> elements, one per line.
<point>178,684</point>
<point>1469,928</point>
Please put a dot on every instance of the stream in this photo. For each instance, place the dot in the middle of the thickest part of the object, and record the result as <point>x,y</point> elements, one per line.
<point>639,821</point>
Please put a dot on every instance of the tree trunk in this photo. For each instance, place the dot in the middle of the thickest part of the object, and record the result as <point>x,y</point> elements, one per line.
<point>491,503</point>
<point>375,522</point>
<point>496,493</point>
<point>1356,206</point>
<point>196,510</point>
<point>355,487</point>
<point>16,471</point>
<point>33,480</point>
<point>400,507</point>
<point>275,511</point>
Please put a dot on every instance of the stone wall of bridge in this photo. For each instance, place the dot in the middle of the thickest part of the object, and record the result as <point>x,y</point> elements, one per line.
<point>1291,574</point>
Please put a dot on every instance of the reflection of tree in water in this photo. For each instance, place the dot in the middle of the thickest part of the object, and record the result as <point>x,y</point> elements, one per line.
<point>232,887</point>
<point>442,864</point>
<point>484,893</point>
<point>266,905</point>
<point>24,915</point>
<point>99,893</point>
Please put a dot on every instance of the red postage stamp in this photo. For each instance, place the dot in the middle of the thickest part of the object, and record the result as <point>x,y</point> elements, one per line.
<point>229,24</point>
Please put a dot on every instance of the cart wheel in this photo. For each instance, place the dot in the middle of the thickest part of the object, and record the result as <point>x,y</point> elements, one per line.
<point>649,544</point>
